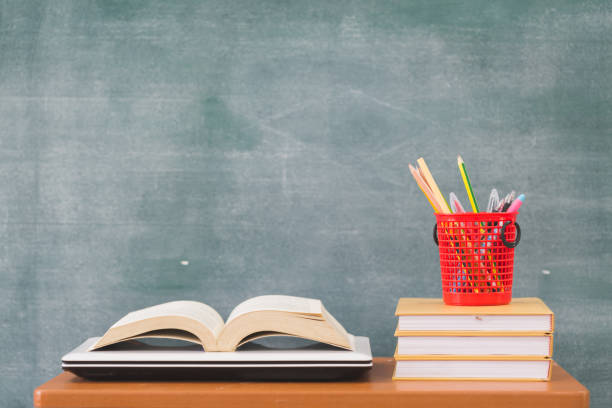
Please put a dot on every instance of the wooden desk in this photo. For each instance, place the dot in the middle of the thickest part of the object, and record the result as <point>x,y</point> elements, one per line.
<point>374,390</point>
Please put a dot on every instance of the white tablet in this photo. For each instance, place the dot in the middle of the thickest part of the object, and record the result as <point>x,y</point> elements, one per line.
<point>138,360</point>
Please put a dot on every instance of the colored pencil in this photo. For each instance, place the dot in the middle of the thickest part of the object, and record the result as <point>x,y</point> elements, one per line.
<point>424,188</point>
<point>468,185</point>
<point>433,185</point>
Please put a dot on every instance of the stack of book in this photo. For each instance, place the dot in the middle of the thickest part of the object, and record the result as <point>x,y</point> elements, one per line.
<point>509,342</point>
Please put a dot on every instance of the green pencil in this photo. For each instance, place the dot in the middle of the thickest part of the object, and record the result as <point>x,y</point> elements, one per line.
<point>468,185</point>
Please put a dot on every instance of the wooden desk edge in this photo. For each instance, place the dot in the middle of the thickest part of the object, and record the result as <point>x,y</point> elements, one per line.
<point>50,394</point>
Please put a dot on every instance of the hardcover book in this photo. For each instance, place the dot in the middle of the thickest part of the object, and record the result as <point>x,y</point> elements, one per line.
<point>522,314</point>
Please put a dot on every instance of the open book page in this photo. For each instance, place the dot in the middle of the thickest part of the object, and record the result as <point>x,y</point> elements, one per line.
<point>168,334</point>
<point>279,303</point>
<point>257,317</point>
<point>335,324</point>
<point>185,308</point>
<point>281,315</point>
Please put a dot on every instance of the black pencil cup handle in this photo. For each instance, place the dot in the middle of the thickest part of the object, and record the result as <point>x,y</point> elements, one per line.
<point>517,239</point>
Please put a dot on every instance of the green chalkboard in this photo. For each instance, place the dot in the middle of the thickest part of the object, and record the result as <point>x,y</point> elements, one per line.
<point>157,150</point>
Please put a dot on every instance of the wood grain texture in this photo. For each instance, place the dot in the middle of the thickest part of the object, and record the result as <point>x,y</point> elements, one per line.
<point>266,144</point>
<point>374,389</point>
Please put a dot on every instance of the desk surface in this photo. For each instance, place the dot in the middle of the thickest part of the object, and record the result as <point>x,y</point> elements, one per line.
<point>374,389</point>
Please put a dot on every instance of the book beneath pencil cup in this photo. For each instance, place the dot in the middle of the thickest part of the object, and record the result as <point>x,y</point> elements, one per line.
<point>477,257</point>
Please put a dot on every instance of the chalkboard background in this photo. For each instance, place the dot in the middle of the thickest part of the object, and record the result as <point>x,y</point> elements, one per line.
<point>267,145</point>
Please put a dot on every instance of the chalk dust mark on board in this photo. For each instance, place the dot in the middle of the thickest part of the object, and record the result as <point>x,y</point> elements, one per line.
<point>264,122</point>
<point>120,9</point>
<point>317,144</point>
<point>377,101</point>
<point>391,150</point>
<point>294,109</point>
<point>283,134</point>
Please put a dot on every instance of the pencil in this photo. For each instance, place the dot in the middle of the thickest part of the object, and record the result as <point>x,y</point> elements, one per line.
<point>424,188</point>
<point>468,185</point>
<point>427,176</point>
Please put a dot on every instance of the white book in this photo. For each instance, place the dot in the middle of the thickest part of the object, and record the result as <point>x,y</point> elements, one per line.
<point>466,345</point>
<point>532,370</point>
<point>476,322</point>
<point>521,315</point>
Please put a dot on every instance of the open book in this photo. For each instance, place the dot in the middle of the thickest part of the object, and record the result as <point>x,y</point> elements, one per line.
<point>261,316</point>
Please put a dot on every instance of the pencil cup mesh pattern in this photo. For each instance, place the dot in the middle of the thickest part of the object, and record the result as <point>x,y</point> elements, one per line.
<point>476,265</point>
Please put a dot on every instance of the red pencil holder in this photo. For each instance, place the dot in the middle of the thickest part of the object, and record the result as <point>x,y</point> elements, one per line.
<point>477,257</point>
